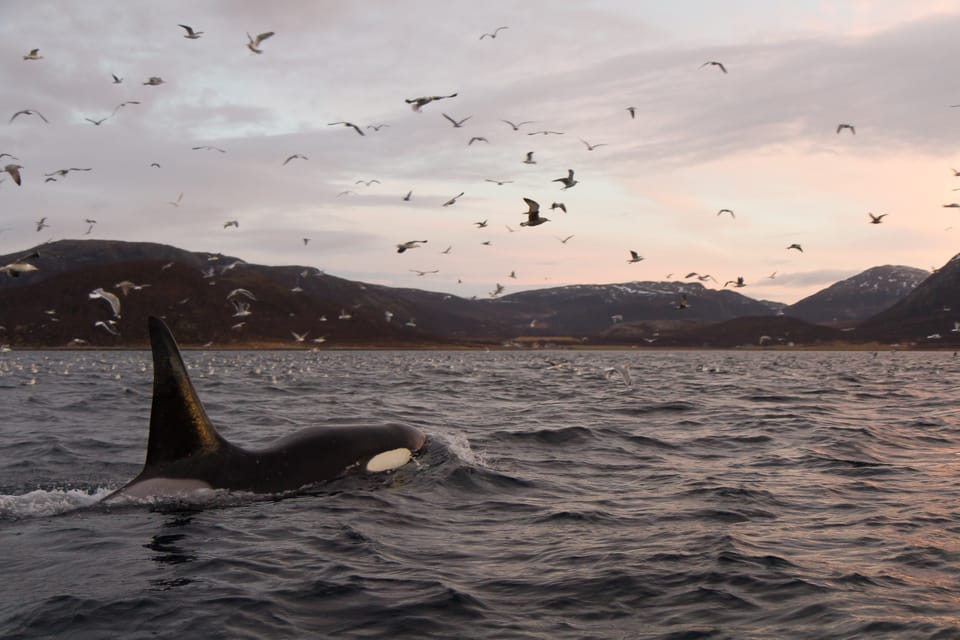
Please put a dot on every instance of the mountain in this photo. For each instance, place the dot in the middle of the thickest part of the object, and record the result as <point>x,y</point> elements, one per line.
<point>851,301</point>
<point>927,315</point>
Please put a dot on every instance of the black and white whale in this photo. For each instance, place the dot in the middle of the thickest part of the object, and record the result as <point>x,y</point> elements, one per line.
<point>186,454</point>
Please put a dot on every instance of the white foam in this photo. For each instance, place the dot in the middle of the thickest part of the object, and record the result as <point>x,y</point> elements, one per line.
<point>42,503</point>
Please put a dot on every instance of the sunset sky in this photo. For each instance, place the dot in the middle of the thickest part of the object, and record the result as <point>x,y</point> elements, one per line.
<point>759,140</point>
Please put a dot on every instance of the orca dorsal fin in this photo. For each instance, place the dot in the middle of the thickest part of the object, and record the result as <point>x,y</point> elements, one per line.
<point>179,426</point>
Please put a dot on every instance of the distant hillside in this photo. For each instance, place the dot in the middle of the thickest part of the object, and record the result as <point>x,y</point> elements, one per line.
<point>851,301</point>
<point>192,291</point>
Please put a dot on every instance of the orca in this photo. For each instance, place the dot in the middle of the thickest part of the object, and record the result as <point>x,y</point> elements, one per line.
<point>185,453</point>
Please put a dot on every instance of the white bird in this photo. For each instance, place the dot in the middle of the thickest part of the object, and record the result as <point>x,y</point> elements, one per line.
<point>300,337</point>
<point>110,299</point>
<point>176,203</point>
<point>106,326</point>
<point>591,147</point>
<point>191,34</point>
<point>20,265</point>
<point>241,308</point>
<point>241,292</point>
<point>126,286</point>
<point>33,55</point>
<point>254,43</point>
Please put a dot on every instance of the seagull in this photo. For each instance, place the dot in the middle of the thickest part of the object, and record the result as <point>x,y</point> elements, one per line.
<point>410,244</point>
<point>14,171</point>
<point>513,274</point>
<point>300,337</point>
<point>254,43</point>
<point>477,139</point>
<point>20,265</point>
<point>497,291</point>
<point>29,112</point>
<point>533,214</point>
<point>241,308</point>
<point>409,195</point>
<point>876,219</point>
<point>231,223</point>
<point>116,79</point>
<point>294,157</point>
<point>545,133</point>
<point>207,147</point>
<point>772,275</point>
<point>33,55</point>
<point>63,172</point>
<point>367,183</point>
<point>417,103</point>
<point>480,225</point>
<point>123,104</point>
<point>841,127</point>
<point>90,222</point>
<point>377,127</point>
<point>456,123</point>
<point>42,223</point>
<point>529,159</point>
<point>591,147</point>
<point>242,292</point>
<point>126,286</point>
<point>110,299</point>
<point>7,155</point>
<point>558,205</point>
<point>452,200</point>
<point>191,34</point>
<point>722,211</point>
<point>633,112</point>
<point>347,193</point>
<point>347,124</point>
<point>568,181</point>
<point>97,122</point>
<point>563,240</point>
<point>306,241</point>
<point>796,246</point>
<point>176,203</point>
<point>107,327</point>
<point>154,81</point>
<point>736,283</point>
<point>423,273</point>
<point>634,257</point>
<point>951,205</point>
<point>499,183</point>
<point>447,250</point>
<point>716,64</point>
<point>494,34</point>
<point>516,127</point>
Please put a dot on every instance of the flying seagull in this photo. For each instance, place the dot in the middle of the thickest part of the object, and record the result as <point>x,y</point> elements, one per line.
<point>516,127</point>
<point>347,124</point>
<point>29,112</point>
<point>719,65</point>
<point>568,181</point>
<point>110,299</point>
<point>208,147</point>
<point>116,79</point>
<point>410,244</point>
<point>33,55</point>
<point>409,195</point>
<point>123,104</point>
<point>722,211</point>
<point>176,202</point>
<point>564,240</point>
<point>494,34</point>
<point>456,123</point>
<point>293,157</point>
<point>20,265</point>
<point>841,127</point>
<point>42,223</point>
<point>499,183</point>
<point>545,133</point>
<point>231,223</point>
<point>377,127</point>
<point>452,200</point>
<point>63,172</point>
<point>423,273</point>
<point>191,34</point>
<point>591,147</point>
<point>876,219</point>
<point>796,246</point>
<point>529,159</point>
<point>477,139</point>
<point>14,171</point>
<point>682,304</point>
<point>417,103</point>
<point>736,283</point>
<point>481,225</point>
<point>367,183</point>
<point>154,81</point>
<point>533,214</point>
<point>559,205</point>
<point>633,112</point>
<point>97,122</point>
<point>254,43</point>
<point>634,257</point>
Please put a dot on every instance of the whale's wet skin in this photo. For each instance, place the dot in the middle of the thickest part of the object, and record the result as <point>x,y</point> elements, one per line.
<point>722,495</point>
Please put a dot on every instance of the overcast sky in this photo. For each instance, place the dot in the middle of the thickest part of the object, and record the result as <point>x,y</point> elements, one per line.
<point>759,140</point>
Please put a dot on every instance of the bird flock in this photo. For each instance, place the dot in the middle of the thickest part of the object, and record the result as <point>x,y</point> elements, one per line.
<point>261,43</point>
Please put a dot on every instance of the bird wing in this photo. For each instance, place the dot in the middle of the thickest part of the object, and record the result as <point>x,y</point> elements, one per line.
<point>534,206</point>
<point>263,36</point>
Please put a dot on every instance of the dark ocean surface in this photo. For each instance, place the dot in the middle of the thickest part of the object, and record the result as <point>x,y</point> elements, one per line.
<point>719,495</point>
